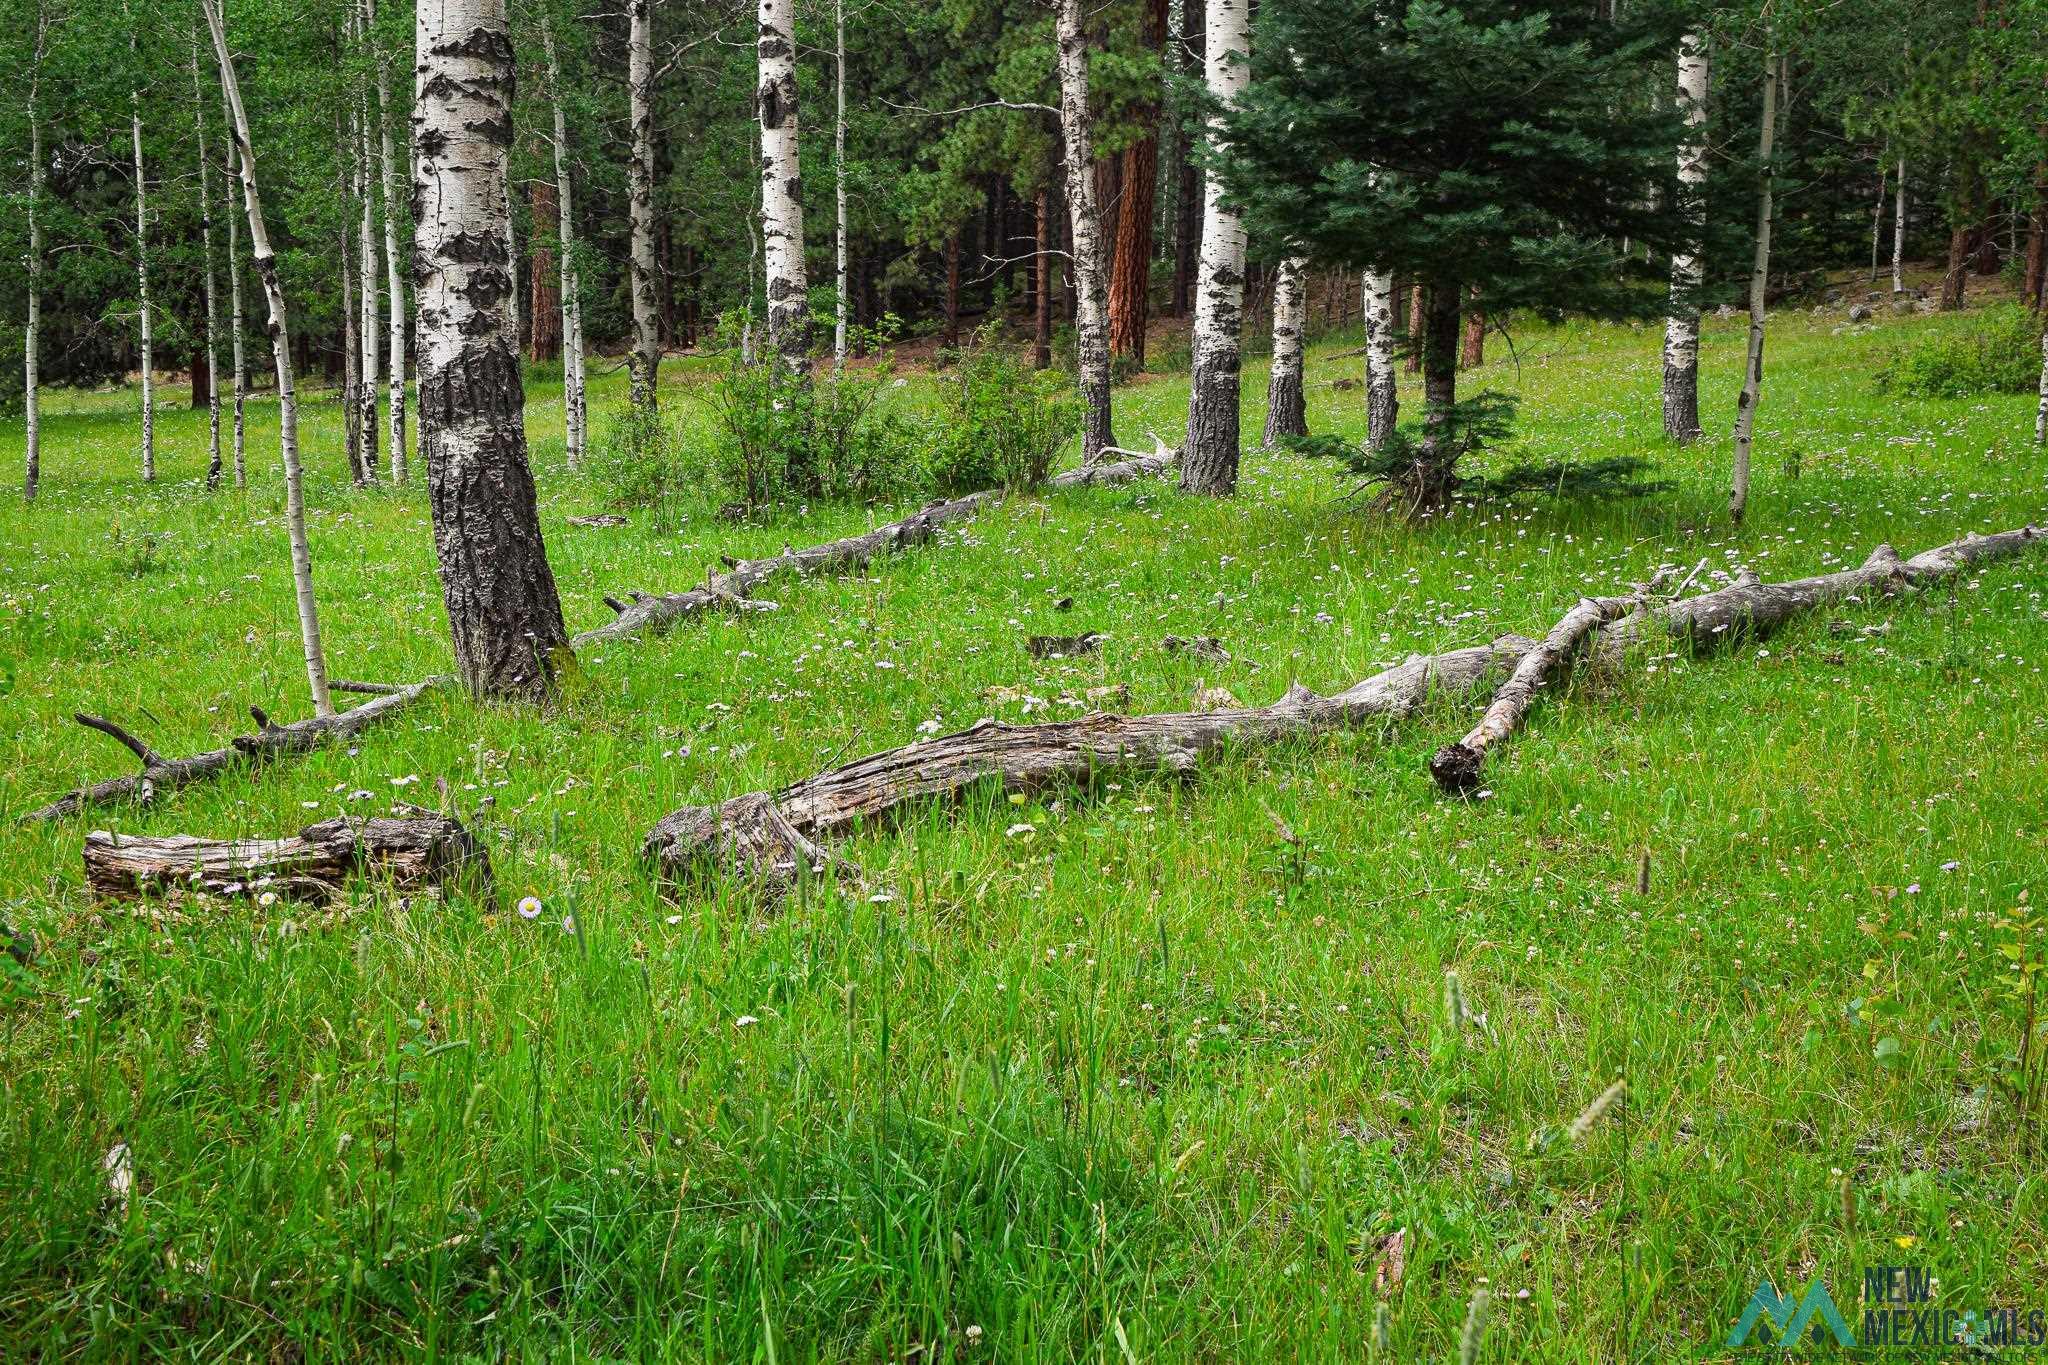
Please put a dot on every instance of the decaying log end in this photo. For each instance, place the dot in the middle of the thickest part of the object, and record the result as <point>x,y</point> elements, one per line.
<point>747,838</point>
<point>1457,768</point>
<point>411,850</point>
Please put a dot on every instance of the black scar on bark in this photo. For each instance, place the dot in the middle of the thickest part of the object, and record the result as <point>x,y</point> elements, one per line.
<point>431,144</point>
<point>491,45</point>
<point>794,188</point>
<point>497,130</point>
<point>771,105</point>
<point>475,248</point>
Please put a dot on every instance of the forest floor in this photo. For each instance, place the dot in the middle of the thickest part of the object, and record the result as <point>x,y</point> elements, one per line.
<point>1124,1077</point>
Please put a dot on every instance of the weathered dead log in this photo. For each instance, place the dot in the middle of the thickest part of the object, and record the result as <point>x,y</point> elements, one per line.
<point>1457,767</point>
<point>1751,608</point>
<point>270,740</point>
<point>651,613</point>
<point>771,837</point>
<point>411,850</point>
<point>1063,646</point>
<point>1200,646</point>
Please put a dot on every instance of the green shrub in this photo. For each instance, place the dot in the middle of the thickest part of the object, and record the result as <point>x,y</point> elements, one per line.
<point>1999,351</point>
<point>1001,424</point>
<point>636,461</point>
<point>788,437</point>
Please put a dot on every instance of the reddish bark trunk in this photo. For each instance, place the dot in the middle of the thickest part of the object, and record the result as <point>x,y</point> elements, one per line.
<point>1042,282</point>
<point>544,293</point>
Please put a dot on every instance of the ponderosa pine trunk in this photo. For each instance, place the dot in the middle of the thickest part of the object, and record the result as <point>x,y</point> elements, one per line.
<point>394,284</point>
<point>1899,235</point>
<point>1091,295</point>
<point>575,410</point>
<point>503,611</point>
<point>1472,354</point>
<point>782,202</point>
<point>1382,403</point>
<point>1209,456</point>
<point>1286,404</point>
<point>1759,280</point>
<point>240,378</point>
<point>1427,485</point>
<point>2032,282</point>
<point>543,278</point>
<point>281,355</point>
<point>212,340</point>
<point>644,360</point>
<point>1130,280</point>
<point>1682,317</point>
<point>148,338</point>
<point>31,378</point>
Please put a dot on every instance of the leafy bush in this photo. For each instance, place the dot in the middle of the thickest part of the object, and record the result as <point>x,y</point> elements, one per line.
<point>2000,352</point>
<point>635,460</point>
<point>784,436</point>
<point>1001,423</point>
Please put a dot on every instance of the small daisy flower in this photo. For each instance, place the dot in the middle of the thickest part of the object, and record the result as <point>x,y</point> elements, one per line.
<point>530,908</point>
<point>267,899</point>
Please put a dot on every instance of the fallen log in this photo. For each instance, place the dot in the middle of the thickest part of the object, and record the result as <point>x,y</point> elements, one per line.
<point>1458,767</point>
<point>772,837</point>
<point>644,613</point>
<point>412,850</point>
<point>270,740</point>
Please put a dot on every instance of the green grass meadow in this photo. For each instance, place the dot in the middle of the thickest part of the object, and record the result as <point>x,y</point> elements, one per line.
<point>1118,1075</point>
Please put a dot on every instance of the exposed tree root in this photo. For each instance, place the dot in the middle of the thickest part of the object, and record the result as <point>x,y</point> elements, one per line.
<point>414,849</point>
<point>770,838</point>
<point>270,740</point>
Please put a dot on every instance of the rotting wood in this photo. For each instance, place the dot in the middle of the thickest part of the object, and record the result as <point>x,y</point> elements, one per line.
<point>411,850</point>
<point>771,839</point>
<point>1063,646</point>
<point>642,613</point>
<point>270,740</point>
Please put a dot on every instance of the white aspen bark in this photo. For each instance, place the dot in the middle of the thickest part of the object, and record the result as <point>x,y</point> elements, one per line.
<point>1877,221</point>
<point>1209,456</point>
<point>142,286</point>
<point>1091,286</point>
<point>1286,404</point>
<point>574,410</point>
<point>240,376</point>
<point>281,355</point>
<point>644,361</point>
<point>1382,404</point>
<point>2041,411</point>
<point>212,294</point>
<point>1759,278</point>
<point>839,186</point>
<point>368,275</point>
<point>1682,319</point>
<point>782,203</point>
<point>394,270</point>
<point>1899,235</point>
<point>31,378</point>
<point>504,613</point>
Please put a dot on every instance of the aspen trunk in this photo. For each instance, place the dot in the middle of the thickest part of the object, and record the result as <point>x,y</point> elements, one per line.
<point>410,850</point>
<point>839,185</point>
<point>1041,285</point>
<point>31,340</point>
<point>1091,302</point>
<point>1682,318</point>
<point>1899,235</point>
<point>240,378</point>
<point>1415,325</point>
<point>2041,410</point>
<point>387,174</point>
<point>503,610</point>
<point>351,367</point>
<point>1209,457</point>
<point>1877,220</point>
<point>644,361</point>
<point>1286,406</point>
<point>281,354</point>
<point>142,288</point>
<point>1759,278</point>
<point>1382,405</point>
<point>782,203</point>
<point>574,410</point>
<point>367,272</point>
<point>212,350</point>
